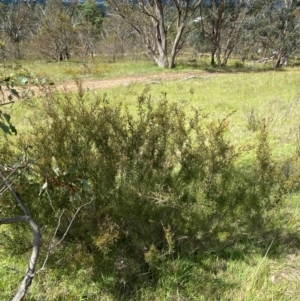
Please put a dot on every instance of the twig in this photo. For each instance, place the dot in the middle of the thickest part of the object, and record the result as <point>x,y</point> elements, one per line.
<point>7,103</point>
<point>153,82</point>
<point>187,78</point>
<point>51,246</point>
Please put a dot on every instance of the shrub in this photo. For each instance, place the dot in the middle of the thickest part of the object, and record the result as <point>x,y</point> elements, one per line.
<point>163,182</point>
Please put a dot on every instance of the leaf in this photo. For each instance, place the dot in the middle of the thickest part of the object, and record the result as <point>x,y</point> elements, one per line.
<point>43,188</point>
<point>5,128</point>
<point>23,80</point>
<point>77,197</point>
<point>56,170</point>
<point>71,171</point>
<point>85,184</point>
<point>17,165</point>
<point>44,80</point>
<point>13,129</point>
<point>7,117</point>
<point>14,92</point>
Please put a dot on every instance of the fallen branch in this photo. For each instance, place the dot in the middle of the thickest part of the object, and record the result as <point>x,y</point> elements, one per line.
<point>187,78</point>
<point>153,82</point>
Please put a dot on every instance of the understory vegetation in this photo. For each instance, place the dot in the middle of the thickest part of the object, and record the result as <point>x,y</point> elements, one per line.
<point>149,197</point>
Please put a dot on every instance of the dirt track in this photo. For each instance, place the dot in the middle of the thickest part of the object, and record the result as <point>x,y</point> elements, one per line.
<point>125,81</point>
<point>99,84</point>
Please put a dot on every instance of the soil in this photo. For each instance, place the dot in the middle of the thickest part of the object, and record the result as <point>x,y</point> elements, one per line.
<point>125,81</point>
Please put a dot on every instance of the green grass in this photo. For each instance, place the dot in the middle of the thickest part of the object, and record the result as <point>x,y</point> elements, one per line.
<point>272,95</point>
<point>265,268</point>
<point>98,69</point>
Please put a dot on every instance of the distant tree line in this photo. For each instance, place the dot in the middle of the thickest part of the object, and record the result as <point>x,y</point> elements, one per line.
<point>56,29</point>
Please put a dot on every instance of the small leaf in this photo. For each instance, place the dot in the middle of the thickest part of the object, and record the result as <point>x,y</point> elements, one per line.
<point>13,129</point>
<point>85,184</point>
<point>45,185</point>
<point>23,80</point>
<point>56,170</point>
<point>17,165</point>
<point>77,197</point>
<point>7,117</point>
<point>43,188</point>
<point>43,81</point>
<point>14,92</point>
<point>5,128</point>
<point>71,171</point>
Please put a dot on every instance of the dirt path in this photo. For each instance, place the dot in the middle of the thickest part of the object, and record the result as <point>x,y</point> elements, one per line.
<point>98,84</point>
<point>127,80</point>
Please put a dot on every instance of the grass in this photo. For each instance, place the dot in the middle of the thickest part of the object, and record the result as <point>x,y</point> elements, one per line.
<point>263,269</point>
<point>273,96</point>
<point>98,69</point>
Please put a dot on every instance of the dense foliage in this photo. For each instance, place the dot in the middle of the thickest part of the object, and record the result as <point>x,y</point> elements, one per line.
<point>163,182</point>
<point>64,30</point>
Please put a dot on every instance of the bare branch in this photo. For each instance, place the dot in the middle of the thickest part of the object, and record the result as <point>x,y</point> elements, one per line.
<point>13,220</point>
<point>52,246</point>
<point>7,103</point>
<point>30,272</point>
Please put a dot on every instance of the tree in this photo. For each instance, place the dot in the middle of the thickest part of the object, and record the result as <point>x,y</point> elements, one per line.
<point>17,24</point>
<point>56,33</point>
<point>88,28</point>
<point>119,37</point>
<point>66,28</point>
<point>222,24</point>
<point>277,27</point>
<point>155,20</point>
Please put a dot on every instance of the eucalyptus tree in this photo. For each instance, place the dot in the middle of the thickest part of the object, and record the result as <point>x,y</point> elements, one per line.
<point>18,23</point>
<point>159,23</point>
<point>222,24</point>
<point>119,38</point>
<point>277,27</point>
<point>66,28</point>
<point>56,31</point>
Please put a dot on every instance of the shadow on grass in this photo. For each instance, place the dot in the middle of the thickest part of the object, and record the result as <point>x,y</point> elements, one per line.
<point>201,272</point>
<point>238,68</point>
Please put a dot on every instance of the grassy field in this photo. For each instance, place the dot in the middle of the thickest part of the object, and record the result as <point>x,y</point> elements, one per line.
<point>267,268</point>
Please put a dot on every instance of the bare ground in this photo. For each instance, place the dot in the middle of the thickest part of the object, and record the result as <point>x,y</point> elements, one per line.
<point>125,81</point>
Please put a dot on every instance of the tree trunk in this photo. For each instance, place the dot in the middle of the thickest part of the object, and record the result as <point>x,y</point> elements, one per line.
<point>161,61</point>
<point>279,60</point>
<point>161,38</point>
<point>175,47</point>
<point>212,59</point>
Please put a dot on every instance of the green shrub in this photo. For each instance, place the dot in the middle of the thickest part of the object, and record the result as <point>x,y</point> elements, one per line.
<point>162,183</point>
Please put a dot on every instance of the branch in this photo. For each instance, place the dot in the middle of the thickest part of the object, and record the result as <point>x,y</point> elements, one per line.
<point>53,246</point>
<point>187,78</point>
<point>13,220</point>
<point>30,272</point>
<point>7,103</point>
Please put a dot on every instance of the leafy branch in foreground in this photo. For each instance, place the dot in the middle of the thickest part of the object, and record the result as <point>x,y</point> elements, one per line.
<point>10,178</point>
<point>29,274</point>
<point>7,185</point>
